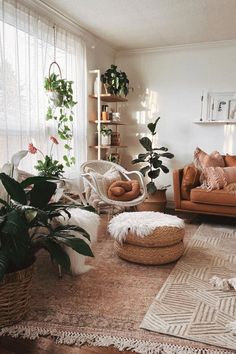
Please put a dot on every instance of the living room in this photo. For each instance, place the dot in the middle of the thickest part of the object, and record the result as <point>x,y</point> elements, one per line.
<point>145,275</point>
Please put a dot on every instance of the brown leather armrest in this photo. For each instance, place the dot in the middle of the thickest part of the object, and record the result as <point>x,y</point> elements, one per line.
<point>177,179</point>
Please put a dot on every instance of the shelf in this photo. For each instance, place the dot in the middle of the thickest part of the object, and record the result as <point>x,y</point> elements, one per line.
<point>215,122</point>
<point>107,97</point>
<point>108,122</point>
<point>108,146</point>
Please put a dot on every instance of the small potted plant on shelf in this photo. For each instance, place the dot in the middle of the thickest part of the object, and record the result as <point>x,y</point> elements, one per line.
<point>152,159</point>
<point>105,135</point>
<point>28,223</point>
<point>115,81</point>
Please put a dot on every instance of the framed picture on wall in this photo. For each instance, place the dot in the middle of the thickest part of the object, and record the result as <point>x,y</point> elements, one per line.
<point>232,109</point>
<point>221,106</point>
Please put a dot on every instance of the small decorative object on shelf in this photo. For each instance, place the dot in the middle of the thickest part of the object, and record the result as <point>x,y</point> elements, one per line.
<point>113,157</point>
<point>115,138</point>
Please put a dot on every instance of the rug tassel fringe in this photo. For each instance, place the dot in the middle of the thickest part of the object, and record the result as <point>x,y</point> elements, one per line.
<point>97,340</point>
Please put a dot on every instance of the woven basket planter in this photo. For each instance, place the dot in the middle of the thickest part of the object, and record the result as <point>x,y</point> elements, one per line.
<point>15,293</point>
<point>149,255</point>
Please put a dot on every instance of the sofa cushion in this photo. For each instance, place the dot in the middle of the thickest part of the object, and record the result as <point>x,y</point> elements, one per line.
<point>218,177</point>
<point>230,161</point>
<point>191,179</point>
<point>203,160</point>
<point>215,197</point>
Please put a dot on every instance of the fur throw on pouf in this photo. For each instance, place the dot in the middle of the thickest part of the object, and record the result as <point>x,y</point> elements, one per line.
<point>141,223</point>
<point>88,221</point>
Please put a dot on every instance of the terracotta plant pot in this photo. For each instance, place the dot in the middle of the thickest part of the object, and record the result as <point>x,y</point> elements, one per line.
<point>155,202</point>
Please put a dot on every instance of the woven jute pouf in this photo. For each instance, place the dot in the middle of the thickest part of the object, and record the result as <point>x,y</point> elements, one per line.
<point>135,242</point>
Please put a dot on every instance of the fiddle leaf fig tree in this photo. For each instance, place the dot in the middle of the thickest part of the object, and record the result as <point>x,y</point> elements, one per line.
<point>60,108</point>
<point>152,158</point>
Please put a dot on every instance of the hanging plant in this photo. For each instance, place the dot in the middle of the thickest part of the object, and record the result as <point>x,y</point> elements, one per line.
<point>60,108</point>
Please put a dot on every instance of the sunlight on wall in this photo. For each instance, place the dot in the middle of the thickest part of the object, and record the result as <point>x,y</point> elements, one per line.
<point>149,109</point>
<point>228,139</point>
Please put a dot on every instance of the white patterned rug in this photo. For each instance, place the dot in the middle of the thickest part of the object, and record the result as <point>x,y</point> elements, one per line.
<point>187,305</point>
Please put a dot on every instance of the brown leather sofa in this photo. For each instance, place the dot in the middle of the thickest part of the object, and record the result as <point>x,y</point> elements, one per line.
<point>202,201</point>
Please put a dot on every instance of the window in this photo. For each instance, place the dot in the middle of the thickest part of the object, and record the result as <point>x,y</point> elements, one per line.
<point>26,51</point>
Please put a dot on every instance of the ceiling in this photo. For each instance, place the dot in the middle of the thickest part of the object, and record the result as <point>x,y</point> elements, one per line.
<point>138,24</point>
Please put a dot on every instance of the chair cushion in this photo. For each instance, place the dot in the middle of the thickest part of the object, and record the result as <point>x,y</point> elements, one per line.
<point>191,179</point>
<point>124,190</point>
<point>215,197</point>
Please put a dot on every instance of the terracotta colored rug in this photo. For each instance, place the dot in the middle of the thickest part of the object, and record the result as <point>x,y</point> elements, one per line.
<point>188,306</point>
<point>104,306</point>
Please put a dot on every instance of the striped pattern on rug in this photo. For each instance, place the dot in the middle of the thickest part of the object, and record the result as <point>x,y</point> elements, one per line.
<point>187,305</point>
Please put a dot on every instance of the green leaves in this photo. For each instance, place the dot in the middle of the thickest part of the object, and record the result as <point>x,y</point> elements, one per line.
<point>61,103</point>
<point>13,188</point>
<point>116,80</point>
<point>41,193</point>
<point>152,158</point>
<point>57,253</point>
<point>146,143</point>
<point>4,264</point>
<point>152,126</point>
<point>49,167</point>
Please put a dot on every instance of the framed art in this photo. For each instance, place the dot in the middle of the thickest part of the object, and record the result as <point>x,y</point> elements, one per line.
<point>221,106</point>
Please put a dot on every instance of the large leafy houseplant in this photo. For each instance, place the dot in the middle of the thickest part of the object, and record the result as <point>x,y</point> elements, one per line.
<point>28,223</point>
<point>152,158</point>
<point>60,108</point>
<point>116,81</point>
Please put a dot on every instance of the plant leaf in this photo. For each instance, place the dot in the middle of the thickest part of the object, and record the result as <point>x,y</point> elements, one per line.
<point>69,228</point>
<point>164,169</point>
<point>56,252</point>
<point>34,180</point>
<point>154,173</point>
<point>4,264</point>
<point>168,155</point>
<point>41,194</point>
<point>146,143</point>
<point>13,188</point>
<point>144,170</point>
<point>77,244</point>
<point>152,126</point>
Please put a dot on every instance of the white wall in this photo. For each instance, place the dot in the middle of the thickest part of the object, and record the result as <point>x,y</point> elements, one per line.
<point>175,80</point>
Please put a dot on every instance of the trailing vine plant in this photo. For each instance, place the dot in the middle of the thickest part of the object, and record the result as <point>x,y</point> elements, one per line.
<point>60,108</point>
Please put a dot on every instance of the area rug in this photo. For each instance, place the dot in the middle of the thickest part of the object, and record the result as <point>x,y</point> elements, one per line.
<point>104,306</point>
<point>187,305</point>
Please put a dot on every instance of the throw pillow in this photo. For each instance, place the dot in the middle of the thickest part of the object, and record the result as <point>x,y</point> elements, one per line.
<point>191,179</point>
<point>124,190</point>
<point>230,161</point>
<point>217,177</point>
<point>203,160</point>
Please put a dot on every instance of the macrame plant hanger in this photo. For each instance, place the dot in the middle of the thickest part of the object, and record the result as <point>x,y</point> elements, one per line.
<point>54,53</point>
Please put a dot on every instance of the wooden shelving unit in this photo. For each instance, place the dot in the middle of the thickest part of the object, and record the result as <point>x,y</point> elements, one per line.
<point>108,98</point>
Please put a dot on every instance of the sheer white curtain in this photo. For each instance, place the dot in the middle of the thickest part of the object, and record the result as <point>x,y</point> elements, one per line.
<point>26,51</point>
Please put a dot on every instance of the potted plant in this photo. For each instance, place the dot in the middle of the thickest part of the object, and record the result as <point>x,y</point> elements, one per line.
<point>115,81</point>
<point>28,223</point>
<point>152,159</point>
<point>60,108</point>
<point>48,166</point>
<point>105,135</point>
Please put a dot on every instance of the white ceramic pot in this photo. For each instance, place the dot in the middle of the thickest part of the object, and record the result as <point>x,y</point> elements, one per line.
<point>105,139</point>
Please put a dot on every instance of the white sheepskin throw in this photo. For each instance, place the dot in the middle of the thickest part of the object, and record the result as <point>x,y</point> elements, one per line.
<point>88,221</point>
<point>141,223</point>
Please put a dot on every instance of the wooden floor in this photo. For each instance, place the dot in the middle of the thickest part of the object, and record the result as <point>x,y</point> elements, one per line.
<point>10,345</point>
